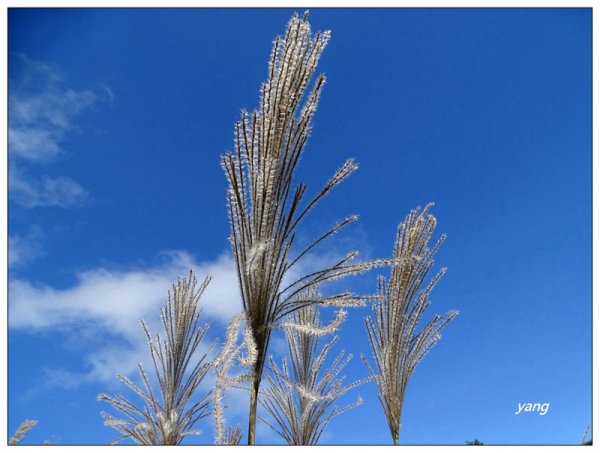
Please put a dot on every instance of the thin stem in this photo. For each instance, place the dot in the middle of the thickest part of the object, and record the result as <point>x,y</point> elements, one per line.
<point>253,406</point>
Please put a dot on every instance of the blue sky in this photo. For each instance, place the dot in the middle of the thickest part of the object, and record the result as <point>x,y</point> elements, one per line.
<point>117,119</point>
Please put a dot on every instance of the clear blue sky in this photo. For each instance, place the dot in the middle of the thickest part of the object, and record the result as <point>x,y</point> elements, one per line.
<point>117,121</point>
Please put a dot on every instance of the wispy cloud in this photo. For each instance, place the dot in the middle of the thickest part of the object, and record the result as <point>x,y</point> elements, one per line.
<point>30,192</point>
<point>42,112</point>
<point>22,249</point>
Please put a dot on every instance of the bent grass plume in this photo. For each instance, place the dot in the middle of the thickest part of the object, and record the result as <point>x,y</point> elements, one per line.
<point>396,344</point>
<point>168,415</point>
<point>264,210</point>
<point>230,353</point>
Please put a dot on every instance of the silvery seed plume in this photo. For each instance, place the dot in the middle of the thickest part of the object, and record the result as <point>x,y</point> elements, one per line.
<point>233,435</point>
<point>169,413</point>
<point>302,401</point>
<point>264,209</point>
<point>19,434</point>
<point>231,354</point>
<point>396,342</point>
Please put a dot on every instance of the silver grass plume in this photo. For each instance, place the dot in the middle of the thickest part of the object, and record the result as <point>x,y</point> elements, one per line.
<point>302,400</point>
<point>396,343</point>
<point>244,355</point>
<point>264,209</point>
<point>19,434</point>
<point>170,414</point>
<point>233,435</point>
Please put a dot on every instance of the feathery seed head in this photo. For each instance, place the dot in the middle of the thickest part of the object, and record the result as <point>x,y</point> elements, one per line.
<point>19,434</point>
<point>300,398</point>
<point>396,343</point>
<point>178,381</point>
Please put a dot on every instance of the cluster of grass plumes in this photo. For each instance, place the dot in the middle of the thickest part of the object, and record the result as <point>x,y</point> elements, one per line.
<point>166,418</point>
<point>301,398</point>
<point>397,344</point>
<point>264,210</point>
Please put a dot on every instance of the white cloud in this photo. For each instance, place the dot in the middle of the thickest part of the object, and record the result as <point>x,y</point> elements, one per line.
<point>42,112</point>
<point>102,311</point>
<point>116,300</point>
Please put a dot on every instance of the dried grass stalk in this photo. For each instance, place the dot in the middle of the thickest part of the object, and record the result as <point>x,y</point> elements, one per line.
<point>168,416</point>
<point>264,210</point>
<point>19,434</point>
<point>397,345</point>
<point>302,401</point>
<point>233,435</point>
